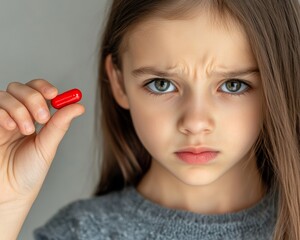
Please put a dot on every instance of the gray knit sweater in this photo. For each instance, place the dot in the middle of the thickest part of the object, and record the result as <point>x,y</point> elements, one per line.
<point>128,215</point>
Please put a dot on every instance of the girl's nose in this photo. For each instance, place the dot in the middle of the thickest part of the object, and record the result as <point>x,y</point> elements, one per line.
<point>196,117</point>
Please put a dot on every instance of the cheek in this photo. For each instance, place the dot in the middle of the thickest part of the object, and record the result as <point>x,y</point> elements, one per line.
<point>153,125</point>
<point>242,124</point>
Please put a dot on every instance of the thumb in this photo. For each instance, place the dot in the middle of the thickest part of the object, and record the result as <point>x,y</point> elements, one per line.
<point>54,130</point>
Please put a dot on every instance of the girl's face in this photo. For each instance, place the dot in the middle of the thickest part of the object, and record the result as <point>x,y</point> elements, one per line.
<point>183,89</point>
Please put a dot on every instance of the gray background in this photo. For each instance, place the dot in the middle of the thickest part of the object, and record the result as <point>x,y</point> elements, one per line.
<point>56,40</point>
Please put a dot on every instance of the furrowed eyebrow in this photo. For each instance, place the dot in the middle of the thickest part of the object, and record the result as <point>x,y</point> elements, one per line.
<point>237,73</point>
<point>151,71</point>
<point>227,74</point>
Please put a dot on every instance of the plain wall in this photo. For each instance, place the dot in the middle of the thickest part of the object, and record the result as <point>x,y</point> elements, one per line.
<point>56,40</point>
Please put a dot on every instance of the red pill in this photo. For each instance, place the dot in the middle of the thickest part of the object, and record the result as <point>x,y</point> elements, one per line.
<point>66,98</point>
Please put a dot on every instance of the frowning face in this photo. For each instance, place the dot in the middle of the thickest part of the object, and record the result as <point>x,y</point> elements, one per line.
<point>190,83</point>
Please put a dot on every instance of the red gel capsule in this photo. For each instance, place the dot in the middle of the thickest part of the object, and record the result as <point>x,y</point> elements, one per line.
<point>66,98</point>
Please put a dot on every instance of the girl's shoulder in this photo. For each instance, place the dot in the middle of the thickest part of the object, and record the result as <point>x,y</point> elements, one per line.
<point>82,219</point>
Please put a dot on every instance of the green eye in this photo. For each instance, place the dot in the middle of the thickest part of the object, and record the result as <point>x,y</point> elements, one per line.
<point>160,86</point>
<point>234,86</point>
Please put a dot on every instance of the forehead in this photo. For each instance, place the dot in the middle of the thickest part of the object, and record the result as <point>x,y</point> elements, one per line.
<point>197,38</point>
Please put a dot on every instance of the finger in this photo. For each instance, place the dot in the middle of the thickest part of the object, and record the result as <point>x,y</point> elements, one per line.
<point>6,121</point>
<point>44,87</point>
<point>32,99</point>
<point>54,130</point>
<point>18,112</point>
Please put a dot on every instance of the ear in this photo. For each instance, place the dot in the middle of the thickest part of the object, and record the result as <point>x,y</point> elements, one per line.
<point>116,82</point>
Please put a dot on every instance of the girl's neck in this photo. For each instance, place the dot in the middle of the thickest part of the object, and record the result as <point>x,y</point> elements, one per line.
<point>232,192</point>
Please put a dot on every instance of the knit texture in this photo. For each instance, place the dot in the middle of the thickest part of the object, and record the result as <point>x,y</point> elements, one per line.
<point>127,215</point>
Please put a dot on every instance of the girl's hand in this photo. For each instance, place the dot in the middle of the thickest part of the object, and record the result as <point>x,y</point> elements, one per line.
<point>25,155</point>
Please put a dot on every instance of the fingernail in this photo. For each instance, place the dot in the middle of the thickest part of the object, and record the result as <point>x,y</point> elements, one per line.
<point>11,124</point>
<point>49,90</point>
<point>42,113</point>
<point>28,127</point>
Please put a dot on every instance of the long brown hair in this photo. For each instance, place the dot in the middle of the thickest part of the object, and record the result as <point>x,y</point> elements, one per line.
<point>273,30</point>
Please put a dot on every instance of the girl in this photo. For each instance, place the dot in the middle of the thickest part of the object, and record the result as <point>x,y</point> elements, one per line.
<point>200,124</point>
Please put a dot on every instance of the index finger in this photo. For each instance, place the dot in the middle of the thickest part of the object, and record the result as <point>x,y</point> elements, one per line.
<point>44,87</point>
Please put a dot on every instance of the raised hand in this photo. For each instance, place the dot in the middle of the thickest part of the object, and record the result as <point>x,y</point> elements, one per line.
<point>25,155</point>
